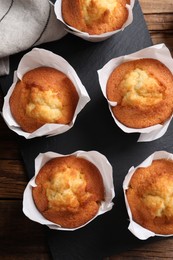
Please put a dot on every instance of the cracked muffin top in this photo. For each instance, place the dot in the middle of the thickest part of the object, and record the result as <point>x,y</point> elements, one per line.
<point>69,191</point>
<point>95,16</point>
<point>43,95</point>
<point>150,196</point>
<point>143,90</point>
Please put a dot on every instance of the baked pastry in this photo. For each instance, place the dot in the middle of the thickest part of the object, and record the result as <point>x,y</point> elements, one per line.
<point>143,90</point>
<point>69,191</point>
<point>44,95</point>
<point>150,196</point>
<point>95,16</point>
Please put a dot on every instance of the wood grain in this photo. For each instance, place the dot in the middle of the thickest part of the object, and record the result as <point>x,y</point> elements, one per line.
<point>13,179</point>
<point>158,15</point>
<point>21,238</point>
<point>156,6</point>
<point>160,22</point>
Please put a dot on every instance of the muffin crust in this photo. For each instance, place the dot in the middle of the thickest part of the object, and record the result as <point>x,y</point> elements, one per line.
<point>44,95</point>
<point>143,90</point>
<point>150,196</point>
<point>69,191</point>
<point>95,16</point>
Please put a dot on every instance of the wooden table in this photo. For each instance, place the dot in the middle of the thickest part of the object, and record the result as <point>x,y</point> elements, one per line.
<point>21,238</point>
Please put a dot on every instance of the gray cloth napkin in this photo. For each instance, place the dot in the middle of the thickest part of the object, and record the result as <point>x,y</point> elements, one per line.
<point>24,24</point>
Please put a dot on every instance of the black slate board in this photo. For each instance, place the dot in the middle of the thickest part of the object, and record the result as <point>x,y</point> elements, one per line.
<point>95,129</point>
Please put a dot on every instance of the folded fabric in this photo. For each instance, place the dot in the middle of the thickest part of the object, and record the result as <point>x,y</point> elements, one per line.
<point>24,24</point>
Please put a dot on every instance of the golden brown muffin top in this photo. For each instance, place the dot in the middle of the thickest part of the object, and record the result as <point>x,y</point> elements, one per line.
<point>44,104</point>
<point>67,189</point>
<point>43,95</point>
<point>150,196</point>
<point>95,16</point>
<point>71,190</point>
<point>143,90</point>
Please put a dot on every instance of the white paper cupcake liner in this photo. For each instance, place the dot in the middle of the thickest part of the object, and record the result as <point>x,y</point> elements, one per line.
<point>159,52</point>
<point>98,159</point>
<point>37,58</point>
<point>86,36</point>
<point>136,229</point>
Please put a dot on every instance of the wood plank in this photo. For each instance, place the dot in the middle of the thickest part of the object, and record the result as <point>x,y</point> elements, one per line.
<point>9,149</point>
<point>160,22</point>
<point>150,250</point>
<point>13,179</point>
<point>20,237</point>
<point>156,6</point>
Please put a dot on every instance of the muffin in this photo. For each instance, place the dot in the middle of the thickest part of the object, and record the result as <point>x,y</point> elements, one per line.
<point>95,16</point>
<point>150,196</point>
<point>143,90</point>
<point>43,95</point>
<point>69,191</point>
